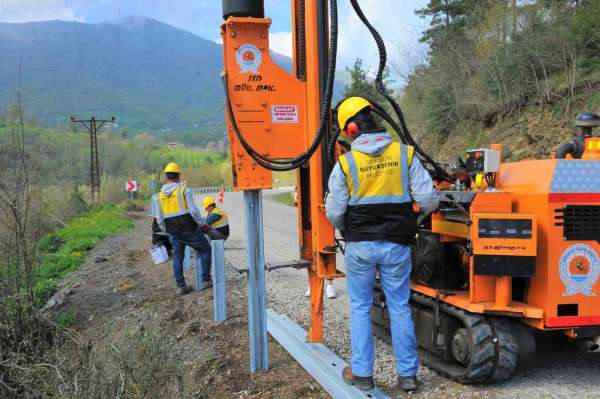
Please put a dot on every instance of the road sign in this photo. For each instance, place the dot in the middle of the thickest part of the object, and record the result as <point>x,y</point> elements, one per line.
<point>131,186</point>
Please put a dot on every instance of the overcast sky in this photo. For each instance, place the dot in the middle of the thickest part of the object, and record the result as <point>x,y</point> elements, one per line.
<point>395,19</point>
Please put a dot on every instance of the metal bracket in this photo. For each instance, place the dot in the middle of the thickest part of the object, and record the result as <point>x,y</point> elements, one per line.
<point>296,264</point>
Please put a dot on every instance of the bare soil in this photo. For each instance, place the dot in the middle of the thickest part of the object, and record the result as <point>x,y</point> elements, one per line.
<point>173,347</point>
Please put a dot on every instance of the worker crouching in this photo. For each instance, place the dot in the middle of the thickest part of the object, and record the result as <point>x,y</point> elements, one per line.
<point>181,219</point>
<point>371,191</point>
<point>216,217</point>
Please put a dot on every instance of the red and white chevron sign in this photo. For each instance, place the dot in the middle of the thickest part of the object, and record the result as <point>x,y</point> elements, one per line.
<point>131,186</point>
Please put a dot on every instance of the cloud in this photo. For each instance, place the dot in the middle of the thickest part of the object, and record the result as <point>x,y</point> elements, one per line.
<point>281,42</point>
<point>41,10</point>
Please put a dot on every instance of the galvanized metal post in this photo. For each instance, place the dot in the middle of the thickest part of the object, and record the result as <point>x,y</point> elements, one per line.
<point>187,259</point>
<point>218,276</point>
<point>257,293</point>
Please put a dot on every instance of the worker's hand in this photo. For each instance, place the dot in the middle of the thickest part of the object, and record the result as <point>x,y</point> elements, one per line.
<point>205,228</point>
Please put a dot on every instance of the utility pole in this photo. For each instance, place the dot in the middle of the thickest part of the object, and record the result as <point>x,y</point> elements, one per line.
<point>93,125</point>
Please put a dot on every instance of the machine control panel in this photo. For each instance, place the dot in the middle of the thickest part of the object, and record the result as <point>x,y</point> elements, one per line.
<point>483,160</point>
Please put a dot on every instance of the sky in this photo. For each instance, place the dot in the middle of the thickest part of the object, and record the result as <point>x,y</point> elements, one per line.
<point>395,19</point>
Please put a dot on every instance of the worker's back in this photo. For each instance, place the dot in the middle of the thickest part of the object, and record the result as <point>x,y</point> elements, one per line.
<point>377,176</point>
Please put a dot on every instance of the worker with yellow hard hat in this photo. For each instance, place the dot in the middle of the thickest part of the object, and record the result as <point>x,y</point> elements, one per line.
<point>216,217</point>
<point>178,215</point>
<point>371,191</point>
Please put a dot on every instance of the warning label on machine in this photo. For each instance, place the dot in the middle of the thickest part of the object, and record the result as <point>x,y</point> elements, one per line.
<point>284,113</point>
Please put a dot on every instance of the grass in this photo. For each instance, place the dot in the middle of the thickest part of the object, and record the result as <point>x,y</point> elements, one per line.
<point>65,250</point>
<point>284,198</point>
<point>67,319</point>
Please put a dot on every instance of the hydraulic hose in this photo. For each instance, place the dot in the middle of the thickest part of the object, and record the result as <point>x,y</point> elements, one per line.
<point>404,133</point>
<point>575,148</point>
<point>294,163</point>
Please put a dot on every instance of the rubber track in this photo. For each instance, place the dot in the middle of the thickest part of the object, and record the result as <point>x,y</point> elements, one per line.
<point>493,352</point>
<point>506,348</point>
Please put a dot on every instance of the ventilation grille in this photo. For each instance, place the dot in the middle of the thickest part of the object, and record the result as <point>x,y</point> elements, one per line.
<point>579,222</point>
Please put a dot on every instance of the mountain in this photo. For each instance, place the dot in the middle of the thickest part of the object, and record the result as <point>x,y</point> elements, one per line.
<point>150,75</point>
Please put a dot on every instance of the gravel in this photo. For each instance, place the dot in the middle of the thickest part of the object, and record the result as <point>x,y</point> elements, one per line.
<point>560,369</point>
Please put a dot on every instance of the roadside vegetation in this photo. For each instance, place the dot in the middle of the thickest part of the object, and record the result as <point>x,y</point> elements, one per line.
<point>510,71</point>
<point>65,249</point>
<point>284,198</point>
<point>47,227</point>
<point>513,72</point>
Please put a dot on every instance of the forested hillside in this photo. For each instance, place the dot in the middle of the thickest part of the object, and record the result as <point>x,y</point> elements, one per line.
<point>151,76</point>
<point>511,71</point>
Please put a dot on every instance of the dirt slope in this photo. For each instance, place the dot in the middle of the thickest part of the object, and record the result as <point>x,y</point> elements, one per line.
<point>160,346</point>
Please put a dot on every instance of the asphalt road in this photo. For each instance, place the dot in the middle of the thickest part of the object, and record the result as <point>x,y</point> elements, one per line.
<point>560,370</point>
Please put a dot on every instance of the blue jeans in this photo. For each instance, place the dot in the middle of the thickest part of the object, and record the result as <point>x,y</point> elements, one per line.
<point>200,244</point>
<point>393,262</point>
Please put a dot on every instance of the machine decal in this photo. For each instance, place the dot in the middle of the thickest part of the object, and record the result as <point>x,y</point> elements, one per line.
<point>579,267</point>
<point>248,58</point>
<point>284,113</point>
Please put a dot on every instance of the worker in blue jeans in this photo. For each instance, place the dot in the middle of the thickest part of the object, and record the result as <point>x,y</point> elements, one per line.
<point>178,215</point>
<point>371,191</point>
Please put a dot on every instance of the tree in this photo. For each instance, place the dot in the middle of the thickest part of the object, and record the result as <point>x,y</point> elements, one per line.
<point>448,19</point>
<point>362,85</point>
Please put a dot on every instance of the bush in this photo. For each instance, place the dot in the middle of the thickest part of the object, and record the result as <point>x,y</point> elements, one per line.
<point>67,319</point>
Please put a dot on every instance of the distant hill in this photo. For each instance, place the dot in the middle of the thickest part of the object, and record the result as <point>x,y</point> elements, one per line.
<point>150,75</point>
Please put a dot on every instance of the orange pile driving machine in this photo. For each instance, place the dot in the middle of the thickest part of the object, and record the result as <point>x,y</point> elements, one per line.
<point>513,248</point>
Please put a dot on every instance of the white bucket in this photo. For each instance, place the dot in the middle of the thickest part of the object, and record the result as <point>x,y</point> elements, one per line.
<point>159,254</point>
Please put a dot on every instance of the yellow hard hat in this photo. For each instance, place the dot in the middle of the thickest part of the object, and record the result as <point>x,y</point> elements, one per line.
<point>208,201</point>
<point>172,167</point>
<point>349,108</point>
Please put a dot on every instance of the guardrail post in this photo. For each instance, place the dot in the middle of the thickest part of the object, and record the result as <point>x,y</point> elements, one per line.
<point>218,276</point>
<point>257,293</point>
<point>187,259</point>
<point>198,271</point>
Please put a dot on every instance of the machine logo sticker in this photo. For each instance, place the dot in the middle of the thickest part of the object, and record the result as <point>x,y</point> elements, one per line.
<point>248,58</point>
<point>579,267</point>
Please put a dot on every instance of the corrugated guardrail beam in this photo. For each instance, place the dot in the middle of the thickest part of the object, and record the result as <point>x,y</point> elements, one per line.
<point>321,363</point>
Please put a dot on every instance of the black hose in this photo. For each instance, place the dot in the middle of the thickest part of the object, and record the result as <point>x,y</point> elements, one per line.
<point>331,147</point>
<point>574,147</point>
<point>405,136</point>
<point>296,162</point>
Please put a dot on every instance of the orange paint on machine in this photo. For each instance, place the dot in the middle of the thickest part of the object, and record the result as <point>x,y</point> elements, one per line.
<point>513,249</point>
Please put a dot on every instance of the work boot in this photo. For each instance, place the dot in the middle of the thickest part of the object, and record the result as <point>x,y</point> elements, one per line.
<point>204,285</point>
<point>408,384</point>
<point>186,289</point>
<point>362,383</point>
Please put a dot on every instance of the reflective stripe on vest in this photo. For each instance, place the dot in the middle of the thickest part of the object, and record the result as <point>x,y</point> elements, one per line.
<point>174,204</point>
<point>223,220</point>
<point>382,179</point>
